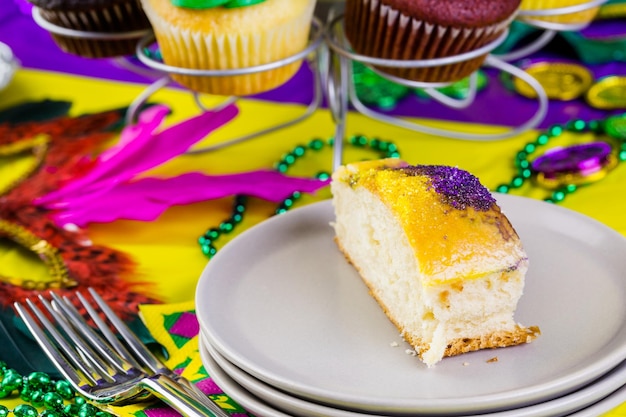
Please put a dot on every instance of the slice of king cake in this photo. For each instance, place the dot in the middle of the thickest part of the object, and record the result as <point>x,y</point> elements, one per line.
<point>436,252</point>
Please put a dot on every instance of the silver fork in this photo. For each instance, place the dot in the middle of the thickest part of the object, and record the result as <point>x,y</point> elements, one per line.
<point>102,369</point>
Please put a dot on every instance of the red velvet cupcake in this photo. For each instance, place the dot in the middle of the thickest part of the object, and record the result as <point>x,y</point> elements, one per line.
<point>427,29</point>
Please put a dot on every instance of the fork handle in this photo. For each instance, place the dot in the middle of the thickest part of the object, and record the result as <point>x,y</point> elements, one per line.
<point>180,398</point>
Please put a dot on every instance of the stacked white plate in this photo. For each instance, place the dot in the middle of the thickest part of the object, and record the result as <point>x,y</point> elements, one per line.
<point>289,329</point>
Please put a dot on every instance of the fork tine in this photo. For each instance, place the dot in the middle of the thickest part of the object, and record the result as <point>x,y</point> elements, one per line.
<point>106,331</point>
<point>138,348</point>
<point>98,369</point>
<point>95,346</point>
<point>67,363</point>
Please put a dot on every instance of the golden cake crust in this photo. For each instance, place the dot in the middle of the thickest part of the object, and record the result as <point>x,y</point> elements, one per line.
<point>446,219</point>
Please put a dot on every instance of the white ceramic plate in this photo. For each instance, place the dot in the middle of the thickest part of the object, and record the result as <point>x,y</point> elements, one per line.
<point>607,386</point>
<point>281,303</point>
<point>605,405</point>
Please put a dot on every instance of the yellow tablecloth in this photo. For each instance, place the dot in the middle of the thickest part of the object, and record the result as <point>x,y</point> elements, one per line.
<point>167,251</point>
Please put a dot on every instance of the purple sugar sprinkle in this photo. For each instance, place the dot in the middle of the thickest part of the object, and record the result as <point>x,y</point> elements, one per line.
<point>457,187</point>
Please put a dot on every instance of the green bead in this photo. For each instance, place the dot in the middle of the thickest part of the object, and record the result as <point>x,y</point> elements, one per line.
<point>503,188</point>
<point>104,414</point>
<point>374,143</point>
<point>316,144</point>
<point>542,139</point>
<point>80,401</point>
<point>25,410</point>
<point>558,195</point>
<point>226,226</point>
<point>36,398</point>
<point>517,182</point>
<point>322,176</point>
<point>530,148</point>
<point>358,140</point>
<point>212,233</point>
<point>26,392</point>
<point>53,401</point>
<point>209,250</point>
<point>71,409</point>
<point>4,412</point>
<point>394,155</point>
<point>237,218</point>
<point>576,125</point>
<point>526,173</point>
<point>287,203</point>
<point>12,380</point>
<point>39,379</point>
<point>289,159</point>
<point>595,126</point>
<point>383,145</point>
<point>521,156</point>
<point>202,240</point>
<point>299,150</point>
<point>331,141</point>
<point>51,413</point>
<point>555,130</point>
<point>87,410</point>
<point>281,210</point>
<point>296,195</point>
<point>282,167</point>
<point>570,188</point>
<point>622,155</point>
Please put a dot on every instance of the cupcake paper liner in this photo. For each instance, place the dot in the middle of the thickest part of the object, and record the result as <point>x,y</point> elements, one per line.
<point>183,48</point>
<point>116,18</point>
<point>377,30</point>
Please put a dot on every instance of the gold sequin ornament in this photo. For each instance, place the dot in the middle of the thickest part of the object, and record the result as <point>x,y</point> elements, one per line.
<point>561,81</point>
<point>609,93</point>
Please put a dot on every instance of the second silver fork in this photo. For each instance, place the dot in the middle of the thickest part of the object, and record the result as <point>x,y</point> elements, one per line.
<point>80,353</point>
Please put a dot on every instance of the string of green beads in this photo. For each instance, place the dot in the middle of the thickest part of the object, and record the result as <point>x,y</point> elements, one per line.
<point>384,149</point>
<point>38,390</point>
<point>612,126</point>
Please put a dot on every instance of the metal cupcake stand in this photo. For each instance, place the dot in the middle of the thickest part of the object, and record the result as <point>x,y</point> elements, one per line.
<point>330,56</point>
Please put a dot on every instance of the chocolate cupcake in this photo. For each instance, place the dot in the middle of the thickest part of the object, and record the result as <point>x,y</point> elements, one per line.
<point>93,28</point>
<point>427,29</point>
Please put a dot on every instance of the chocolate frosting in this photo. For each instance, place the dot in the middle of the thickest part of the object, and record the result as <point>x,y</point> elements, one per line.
<point>457,13</point>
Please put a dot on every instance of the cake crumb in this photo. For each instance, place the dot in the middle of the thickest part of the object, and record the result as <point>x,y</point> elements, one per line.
<point>410,352</point>
<point>394,344</point>
<point>465,363</point>
<point>494,359</point>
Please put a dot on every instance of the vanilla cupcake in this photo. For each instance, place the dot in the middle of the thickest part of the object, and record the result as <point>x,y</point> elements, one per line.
<point>585,13</point>
<point>103,28</point>
<point>427,29</point>
<point>223,35</point>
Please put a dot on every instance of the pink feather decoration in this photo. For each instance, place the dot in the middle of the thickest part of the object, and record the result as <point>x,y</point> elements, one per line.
<point>111,191</point>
